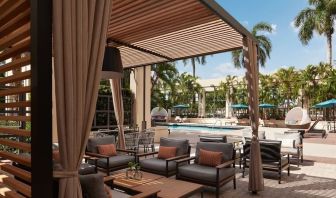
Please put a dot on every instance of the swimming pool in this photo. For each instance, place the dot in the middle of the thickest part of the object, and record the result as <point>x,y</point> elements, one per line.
<point>192,127</point>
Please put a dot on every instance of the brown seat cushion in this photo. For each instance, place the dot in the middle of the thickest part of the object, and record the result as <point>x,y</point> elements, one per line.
<point>166,152</point>
<point>107,149</point>
<point>210,158</point>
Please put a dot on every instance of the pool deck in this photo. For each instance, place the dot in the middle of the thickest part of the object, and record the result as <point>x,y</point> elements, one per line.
<point>316,177</point>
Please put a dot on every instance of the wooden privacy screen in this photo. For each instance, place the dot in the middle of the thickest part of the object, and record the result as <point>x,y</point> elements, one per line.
<point>15,96</point>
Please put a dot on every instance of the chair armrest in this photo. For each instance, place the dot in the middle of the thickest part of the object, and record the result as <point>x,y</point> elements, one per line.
<point>145,154</point>
<point>185,160</point>
<point>126,151</point>
<point>96,155</point>
<point>150,193</point>
<point>87,157</point>
<point>225,164</point>
<point>176,158</point>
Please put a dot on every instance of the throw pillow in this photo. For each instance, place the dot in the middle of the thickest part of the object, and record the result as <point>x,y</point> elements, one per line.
<point>210,158</point>
<point>107,149</point>
<point>166,152</point>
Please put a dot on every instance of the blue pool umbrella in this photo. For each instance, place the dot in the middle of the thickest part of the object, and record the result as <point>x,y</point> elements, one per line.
<point>328,104</point>
<point>239,106</point>
<point>181,106</point>
<point>266,106</point>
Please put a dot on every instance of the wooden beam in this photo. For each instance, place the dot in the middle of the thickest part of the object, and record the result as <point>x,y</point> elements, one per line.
<point>113,42</point>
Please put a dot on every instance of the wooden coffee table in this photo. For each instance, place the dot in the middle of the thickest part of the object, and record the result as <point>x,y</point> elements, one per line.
<point>168,187</point>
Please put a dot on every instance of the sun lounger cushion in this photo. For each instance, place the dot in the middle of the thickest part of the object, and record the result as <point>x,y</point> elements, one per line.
<point>115,161</point>
<point>182,145</point>
<point>94,142</point>
<point>207,173</point>
<point>156,164</point>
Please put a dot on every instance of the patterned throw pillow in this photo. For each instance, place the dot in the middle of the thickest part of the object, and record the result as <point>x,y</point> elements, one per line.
<point>166,152</point>
<point>210,158</point>
<point>107,149</point>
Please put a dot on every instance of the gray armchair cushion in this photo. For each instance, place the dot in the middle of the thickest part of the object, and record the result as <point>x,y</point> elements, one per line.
<point>93,186</point>
<point>157,164</point>
<point>115,161</point>
<point>204,173</point>
<point>247,135</point>
<point>86,169</point>
<point>270,150</point>
<point>225,148</point>
<point>182,145</point>
<point>219,139</point>
<point>295,138</point>
<point>94,142</point>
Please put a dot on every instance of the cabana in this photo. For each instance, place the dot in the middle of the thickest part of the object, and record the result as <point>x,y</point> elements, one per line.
<point>137,34</point>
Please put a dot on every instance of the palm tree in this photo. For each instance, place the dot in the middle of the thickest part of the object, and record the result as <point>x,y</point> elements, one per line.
<point>287,79</point>
<point>319,17</point>
<point>164,80</point>
<point>264,45</point>
<point>200,60</point>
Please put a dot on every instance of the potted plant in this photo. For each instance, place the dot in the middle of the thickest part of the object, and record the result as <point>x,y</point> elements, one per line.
<point>133,171</point>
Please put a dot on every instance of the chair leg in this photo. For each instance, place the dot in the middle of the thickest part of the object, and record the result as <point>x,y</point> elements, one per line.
<point>288,170</point>
<point>234,182</point>
<point>217,191</point>
<point>280,176</point>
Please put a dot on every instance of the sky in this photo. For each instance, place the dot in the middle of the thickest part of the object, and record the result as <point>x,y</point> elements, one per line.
<point>287,49</point>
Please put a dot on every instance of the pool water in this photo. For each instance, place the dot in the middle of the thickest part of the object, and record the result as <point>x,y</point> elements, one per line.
<point>205,128</point>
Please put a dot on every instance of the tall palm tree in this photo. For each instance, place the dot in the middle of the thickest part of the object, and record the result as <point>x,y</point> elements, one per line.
<point>264,45</point>
<point>200,60</point>
<point>319,17</point>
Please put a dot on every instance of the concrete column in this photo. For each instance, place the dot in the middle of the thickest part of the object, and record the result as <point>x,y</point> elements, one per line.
<point>228,109</point>
<point>140,84</point>
<point>201,104</point>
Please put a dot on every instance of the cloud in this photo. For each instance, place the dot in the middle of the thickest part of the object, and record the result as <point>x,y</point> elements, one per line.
<point>292,25</point>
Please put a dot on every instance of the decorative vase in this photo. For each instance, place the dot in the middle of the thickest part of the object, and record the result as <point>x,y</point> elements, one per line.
<point>130,173</point>
<point>137,175</point>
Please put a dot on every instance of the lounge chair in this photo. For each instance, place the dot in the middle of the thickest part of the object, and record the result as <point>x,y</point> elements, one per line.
<point>165,167</point>
<point>310,131</point>
<point>271,157</point>
<point>207,175</point>
<point>108,163</point>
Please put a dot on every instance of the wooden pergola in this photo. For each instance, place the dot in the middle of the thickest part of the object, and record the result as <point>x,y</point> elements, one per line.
<point>145,32</point>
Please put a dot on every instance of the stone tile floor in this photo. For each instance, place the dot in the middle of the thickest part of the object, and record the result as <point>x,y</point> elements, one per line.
<point>310,180</point>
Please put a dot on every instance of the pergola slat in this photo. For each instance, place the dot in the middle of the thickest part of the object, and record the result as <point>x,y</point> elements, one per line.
<point>172,29</point>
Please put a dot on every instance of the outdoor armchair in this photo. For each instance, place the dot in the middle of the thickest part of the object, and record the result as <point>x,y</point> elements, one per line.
<point>271,157</point>
<point>108,163</point>
<point>292,144</point>
<point>166,167</point>
<point>207,175</point>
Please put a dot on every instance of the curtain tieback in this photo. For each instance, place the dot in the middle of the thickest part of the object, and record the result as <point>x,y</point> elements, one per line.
<point>65,174</point>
